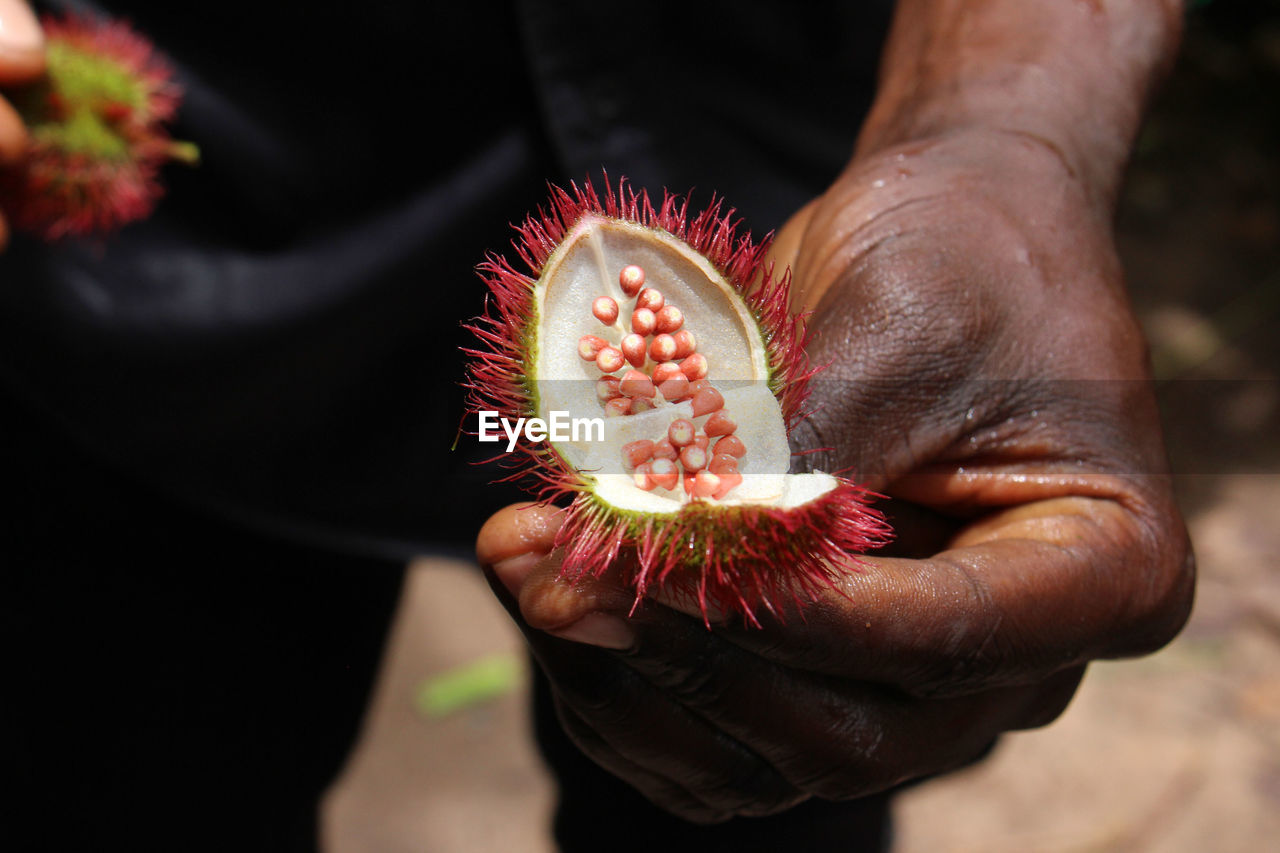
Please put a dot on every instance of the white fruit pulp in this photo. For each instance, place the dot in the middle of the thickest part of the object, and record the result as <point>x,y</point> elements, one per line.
<point>585,267</point>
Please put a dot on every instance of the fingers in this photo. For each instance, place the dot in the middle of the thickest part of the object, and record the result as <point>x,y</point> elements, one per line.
<point>1020,595</point>
<point>625,724</point>
<point>13,135</point>
<point>665,793</point>
<point>639,733</point>
<point>516,530</point>
<point>514,545</point>
<point>21,60</point>
<point>707,728</point>
<point>831,737</point>
<point>21,43</point>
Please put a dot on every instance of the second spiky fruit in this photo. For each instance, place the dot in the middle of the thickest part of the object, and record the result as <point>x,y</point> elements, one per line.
<point>97,128</point>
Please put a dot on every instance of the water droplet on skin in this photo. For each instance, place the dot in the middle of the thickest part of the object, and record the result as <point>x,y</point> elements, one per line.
<point>878,183</point>
<point>1023,256</point>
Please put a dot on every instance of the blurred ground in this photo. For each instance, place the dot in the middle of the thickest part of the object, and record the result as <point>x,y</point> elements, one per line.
<point>1176,752</point>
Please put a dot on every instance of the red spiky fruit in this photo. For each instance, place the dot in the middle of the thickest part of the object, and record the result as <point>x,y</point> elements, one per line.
<point>96,125</point>
<point>698,351</point>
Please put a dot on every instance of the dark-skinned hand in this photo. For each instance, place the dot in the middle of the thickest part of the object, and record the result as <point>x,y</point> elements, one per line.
<point>986,374</point>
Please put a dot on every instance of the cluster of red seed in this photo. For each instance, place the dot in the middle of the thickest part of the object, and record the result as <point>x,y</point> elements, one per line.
<point>665,366</point>
<point>663,355</point>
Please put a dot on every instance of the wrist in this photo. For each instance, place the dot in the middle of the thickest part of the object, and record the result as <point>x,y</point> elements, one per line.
<point>1070,77</point>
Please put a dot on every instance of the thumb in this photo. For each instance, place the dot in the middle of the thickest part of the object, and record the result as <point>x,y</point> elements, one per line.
<point>515,549</point>
<point>21,43</point>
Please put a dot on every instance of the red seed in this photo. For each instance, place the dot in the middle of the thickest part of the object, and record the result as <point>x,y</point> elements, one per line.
<point>636,452</point>
<point>631,279</point>
<point>651,299</point>
<point>663,348</point>
<point>664,473</point>
<point>693,458</point>
<point>681,432</point>
<point>706,401</point>
<point>688,483</point>
<point>720,424</point>
<point>686,343</point>
<point>697,385</point>
<point>701,440</point>
<point>636,384</point>
<point>731,445</point>
<point>589,346</point>
<point>610,359</point>
<point>705,484</point>
<point>728,482</point>
<point>607,388</point>
<point>670,319</point>
<point>664,449</point>
<point>634,349</point>
<point>721,463</point>
<point>674,389</point>
<point>666,371</point>
<point>605,310</point>
<point>695,366</point>
<point>617,407</point>
<point>643,477</point>
<point>643,321</point>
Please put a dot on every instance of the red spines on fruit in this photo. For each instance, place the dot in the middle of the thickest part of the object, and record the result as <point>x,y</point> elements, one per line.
<point>734,557</point>
<point>60,191</point>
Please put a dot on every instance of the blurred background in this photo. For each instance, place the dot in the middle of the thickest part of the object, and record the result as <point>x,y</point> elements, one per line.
<point>1179,751</point>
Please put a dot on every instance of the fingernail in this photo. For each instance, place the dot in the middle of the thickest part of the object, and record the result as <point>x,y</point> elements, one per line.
<point>599,629</point>
<point>19,30</point>
<point>512,571</point>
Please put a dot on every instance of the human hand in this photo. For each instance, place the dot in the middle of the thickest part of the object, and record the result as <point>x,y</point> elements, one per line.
<point>987,375</point>
<point>21,60</point>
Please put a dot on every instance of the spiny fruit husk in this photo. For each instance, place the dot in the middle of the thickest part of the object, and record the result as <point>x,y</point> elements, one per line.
<point>97,132</point>
<point>747,539</point>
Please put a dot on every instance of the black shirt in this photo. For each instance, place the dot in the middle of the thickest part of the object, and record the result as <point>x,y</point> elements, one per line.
<point>227,426</point>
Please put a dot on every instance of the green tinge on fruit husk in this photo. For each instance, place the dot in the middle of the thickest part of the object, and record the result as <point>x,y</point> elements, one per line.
<point>730,557</point>
<point>97,132</point>
<point>737,558</point>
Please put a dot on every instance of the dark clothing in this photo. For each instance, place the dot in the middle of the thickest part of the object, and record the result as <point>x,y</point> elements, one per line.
<point>226,427</point>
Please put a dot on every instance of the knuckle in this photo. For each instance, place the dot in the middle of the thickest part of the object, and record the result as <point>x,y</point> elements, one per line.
<point>846,781</point>
<point>860,760</point>
<point>753,794</point>
<point>605,696</point>
<point>1050,700</point>
<point>1165,603</point>
<point>694,687</point>
<point>975,648</point>
<point>686,808</point>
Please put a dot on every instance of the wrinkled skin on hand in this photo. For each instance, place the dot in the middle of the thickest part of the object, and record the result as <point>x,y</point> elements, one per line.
<point>987,375</point>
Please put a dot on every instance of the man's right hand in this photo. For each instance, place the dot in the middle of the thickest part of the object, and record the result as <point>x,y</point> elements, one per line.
<point>21,60</point>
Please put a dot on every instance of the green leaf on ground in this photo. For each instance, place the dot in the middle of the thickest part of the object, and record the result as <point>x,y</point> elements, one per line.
<point>469,684</point>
